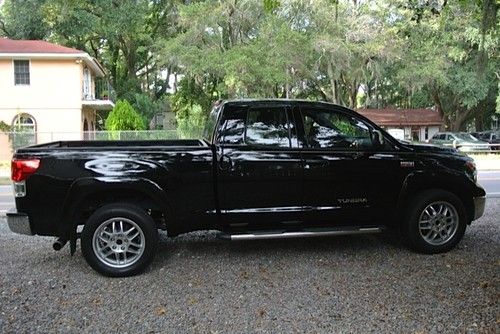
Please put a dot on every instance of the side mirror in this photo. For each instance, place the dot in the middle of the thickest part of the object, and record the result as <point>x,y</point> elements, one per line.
<point>378,138</point>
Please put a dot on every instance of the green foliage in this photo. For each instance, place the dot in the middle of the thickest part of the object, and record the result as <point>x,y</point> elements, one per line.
<point>398,53</point>
<point>124,117</point>
<point>24,19</point>
<point>147,107</point>
<point>191,106</point>
<point>4,127</point>
<point>191,122</point>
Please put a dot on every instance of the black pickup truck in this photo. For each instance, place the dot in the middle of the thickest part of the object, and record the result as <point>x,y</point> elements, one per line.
<point>264,169</point>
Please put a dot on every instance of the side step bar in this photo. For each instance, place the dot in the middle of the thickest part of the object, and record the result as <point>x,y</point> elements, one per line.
<point>299,234</point>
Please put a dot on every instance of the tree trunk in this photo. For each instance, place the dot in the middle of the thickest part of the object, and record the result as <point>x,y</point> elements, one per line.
<point>353,95</point>
<point>333,84</point>
<point>460,117</point>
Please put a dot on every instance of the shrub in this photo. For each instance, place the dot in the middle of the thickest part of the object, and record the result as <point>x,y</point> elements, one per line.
<point>124,117</point>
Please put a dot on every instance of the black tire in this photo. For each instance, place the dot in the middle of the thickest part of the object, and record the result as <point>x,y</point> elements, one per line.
<point>418,239</point>
<point>139,249</point>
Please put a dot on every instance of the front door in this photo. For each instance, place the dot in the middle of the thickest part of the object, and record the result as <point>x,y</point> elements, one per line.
<point>259,167</point>
<point>347,178</point>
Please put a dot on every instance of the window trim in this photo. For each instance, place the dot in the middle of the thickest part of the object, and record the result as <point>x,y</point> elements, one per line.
<point>220,128</point>
<point>14,71</point>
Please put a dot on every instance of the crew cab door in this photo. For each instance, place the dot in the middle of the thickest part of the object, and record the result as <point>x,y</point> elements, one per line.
<point>348,178</point>
<point>259,166</point>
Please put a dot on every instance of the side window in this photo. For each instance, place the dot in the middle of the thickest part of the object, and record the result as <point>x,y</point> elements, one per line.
<point>267,126</point>
<point>232,126</point>
<point>329,129</point>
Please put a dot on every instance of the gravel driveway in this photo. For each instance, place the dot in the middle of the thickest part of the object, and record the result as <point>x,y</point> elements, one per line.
<point>199,284</point>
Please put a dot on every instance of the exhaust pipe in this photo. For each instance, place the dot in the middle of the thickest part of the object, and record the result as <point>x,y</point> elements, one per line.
<point>58,244</point>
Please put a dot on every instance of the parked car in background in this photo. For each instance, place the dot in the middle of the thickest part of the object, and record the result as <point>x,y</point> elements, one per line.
<point>475,134</point>
<point>491,137</point>
<point>462,141</point>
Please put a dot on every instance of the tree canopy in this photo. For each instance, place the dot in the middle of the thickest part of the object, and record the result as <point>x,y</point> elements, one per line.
<point>358,53</point>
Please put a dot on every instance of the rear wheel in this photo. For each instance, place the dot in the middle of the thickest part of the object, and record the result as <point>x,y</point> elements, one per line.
<point>119,240</point>
<point>435,222</point>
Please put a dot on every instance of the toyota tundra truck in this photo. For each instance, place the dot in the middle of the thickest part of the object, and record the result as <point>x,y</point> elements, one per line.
<point>264,169</point>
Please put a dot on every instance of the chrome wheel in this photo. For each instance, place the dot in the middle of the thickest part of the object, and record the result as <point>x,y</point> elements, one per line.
<point>438,223</point>
<point>118,242</point>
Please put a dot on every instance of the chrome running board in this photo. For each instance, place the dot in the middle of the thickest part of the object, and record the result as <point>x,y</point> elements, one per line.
<point>300,234</point>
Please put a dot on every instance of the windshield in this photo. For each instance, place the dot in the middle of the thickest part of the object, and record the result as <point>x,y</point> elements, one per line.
<point>210,124</point>
<point>465,136</point>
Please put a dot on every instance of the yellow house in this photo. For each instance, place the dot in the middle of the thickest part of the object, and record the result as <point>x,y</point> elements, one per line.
<point>49,90</point>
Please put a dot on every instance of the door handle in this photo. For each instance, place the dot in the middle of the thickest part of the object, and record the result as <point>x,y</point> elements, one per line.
<point>359,155</point>
<point>225,163</point>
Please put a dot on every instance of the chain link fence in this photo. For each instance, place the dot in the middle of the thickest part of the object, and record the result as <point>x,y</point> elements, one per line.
<point>10,141</point>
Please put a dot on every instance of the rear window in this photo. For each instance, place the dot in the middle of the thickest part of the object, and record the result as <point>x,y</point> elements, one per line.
<point>267,127</point>
<point>256,126</point>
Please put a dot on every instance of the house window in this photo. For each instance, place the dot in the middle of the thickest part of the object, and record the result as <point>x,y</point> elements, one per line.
<point>22,72</point>
<point>24,123</point>
<point>87,84</point>
<point>23,131</point>
<point>426,133</point>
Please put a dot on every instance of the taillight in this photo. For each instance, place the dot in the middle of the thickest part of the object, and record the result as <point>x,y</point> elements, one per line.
<point>22,168</point>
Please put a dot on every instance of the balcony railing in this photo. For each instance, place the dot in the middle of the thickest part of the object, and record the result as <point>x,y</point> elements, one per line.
<point>103,91</point>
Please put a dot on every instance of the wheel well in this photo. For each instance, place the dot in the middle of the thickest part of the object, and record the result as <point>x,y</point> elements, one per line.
<point>461,193</point>
<point>90,203</point>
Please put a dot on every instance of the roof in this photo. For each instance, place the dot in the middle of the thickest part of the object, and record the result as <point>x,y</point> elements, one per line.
<point>30,46</point>
<point>243,101</point>
<point>34,49</point>
<point>402,117</point>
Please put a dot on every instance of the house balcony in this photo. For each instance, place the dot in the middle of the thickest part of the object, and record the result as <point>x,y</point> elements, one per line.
<point>100,98</point>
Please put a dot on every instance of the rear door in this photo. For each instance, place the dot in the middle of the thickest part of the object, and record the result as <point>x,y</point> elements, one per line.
<point>259,166</point>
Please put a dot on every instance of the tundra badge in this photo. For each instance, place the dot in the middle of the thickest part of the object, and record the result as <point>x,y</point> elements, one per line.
<point>407,164</point>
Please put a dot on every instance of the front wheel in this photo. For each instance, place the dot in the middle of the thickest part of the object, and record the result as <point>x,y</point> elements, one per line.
<point>435,222</point>
<point>119,240</point>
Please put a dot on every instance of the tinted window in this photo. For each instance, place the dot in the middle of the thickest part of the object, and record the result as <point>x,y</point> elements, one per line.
<point>267,126</point>
<point>328,129</point>
<point>232,126</point>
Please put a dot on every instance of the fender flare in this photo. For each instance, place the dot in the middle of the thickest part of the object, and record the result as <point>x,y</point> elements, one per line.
<point>82,188</point>
<point>414,182</point>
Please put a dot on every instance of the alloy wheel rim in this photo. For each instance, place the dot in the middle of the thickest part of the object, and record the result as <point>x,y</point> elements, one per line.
<point>118,242</point>
<point>438,223</point>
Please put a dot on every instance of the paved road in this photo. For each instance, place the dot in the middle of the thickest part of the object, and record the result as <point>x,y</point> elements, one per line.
<point>6,198</point>
<point>490,180</point>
